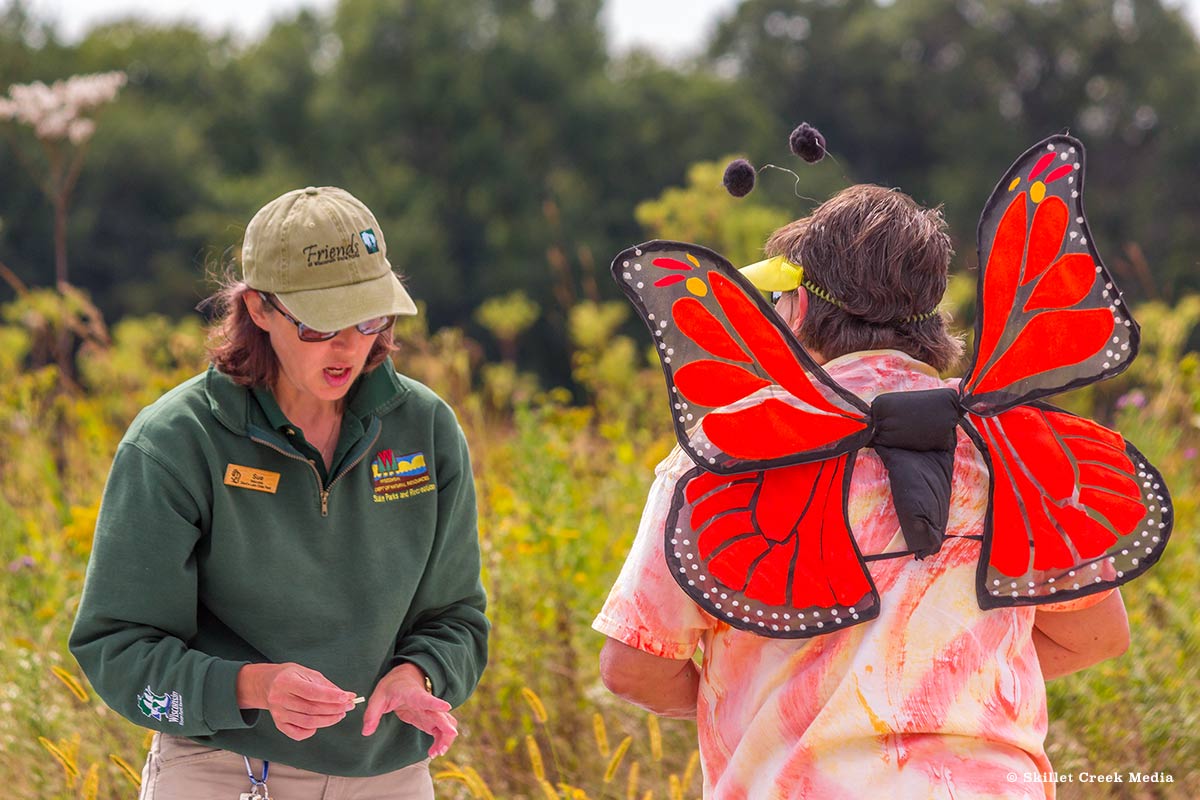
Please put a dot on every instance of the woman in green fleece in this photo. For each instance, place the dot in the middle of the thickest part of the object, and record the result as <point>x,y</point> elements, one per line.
<point>291,532</point>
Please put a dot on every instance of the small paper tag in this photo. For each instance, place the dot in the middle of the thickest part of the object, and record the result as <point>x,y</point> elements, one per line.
<point>260,480</point>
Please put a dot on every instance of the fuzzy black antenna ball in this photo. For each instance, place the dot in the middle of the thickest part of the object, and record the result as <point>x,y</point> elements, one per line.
<point>808,143</point>
<point>739,177</point>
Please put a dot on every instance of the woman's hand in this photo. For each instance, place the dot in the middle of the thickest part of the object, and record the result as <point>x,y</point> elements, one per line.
<point>300,699</point>
<point>402,692</point>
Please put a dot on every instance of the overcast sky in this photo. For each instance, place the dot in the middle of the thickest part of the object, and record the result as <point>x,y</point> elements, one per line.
<point>677,26</point>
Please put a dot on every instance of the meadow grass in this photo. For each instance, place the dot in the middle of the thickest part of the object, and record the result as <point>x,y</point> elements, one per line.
<point>561,482</point>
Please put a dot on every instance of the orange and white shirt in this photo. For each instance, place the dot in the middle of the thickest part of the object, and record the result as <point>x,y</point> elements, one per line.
<point>935,698</point>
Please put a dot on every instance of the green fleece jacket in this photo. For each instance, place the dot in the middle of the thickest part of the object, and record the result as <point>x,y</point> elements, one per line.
<point>219,543</point>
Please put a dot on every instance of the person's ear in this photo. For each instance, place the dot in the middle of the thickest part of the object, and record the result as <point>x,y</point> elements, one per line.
<point>256,308</point>
<point>801,310</point>
<point>792,307</point>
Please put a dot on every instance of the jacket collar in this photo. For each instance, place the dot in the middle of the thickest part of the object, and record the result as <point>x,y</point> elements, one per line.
<point>378,392</point>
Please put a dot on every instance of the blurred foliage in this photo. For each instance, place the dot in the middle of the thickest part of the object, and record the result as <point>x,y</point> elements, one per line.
<point>506,318</point>
<point>704,213</point>
<point>502,149</point>
<point>939,96</point>
<point>561,486</point>
<point>460,124</point>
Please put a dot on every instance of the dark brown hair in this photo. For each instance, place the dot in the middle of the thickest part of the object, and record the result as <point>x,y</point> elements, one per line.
<point>243,351</point>
<point>884,258</point>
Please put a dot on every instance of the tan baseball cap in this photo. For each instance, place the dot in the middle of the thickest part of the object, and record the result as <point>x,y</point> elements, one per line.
<point>321,252</point>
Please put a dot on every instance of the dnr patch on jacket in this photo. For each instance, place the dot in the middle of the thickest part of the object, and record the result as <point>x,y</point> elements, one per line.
<point>397,477</point>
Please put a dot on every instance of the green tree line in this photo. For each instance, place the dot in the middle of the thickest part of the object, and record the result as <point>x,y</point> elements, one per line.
<point>504,147</point>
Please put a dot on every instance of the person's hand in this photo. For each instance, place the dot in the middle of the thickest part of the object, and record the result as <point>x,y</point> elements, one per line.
<point>402,692</point>
<point>300,700</point>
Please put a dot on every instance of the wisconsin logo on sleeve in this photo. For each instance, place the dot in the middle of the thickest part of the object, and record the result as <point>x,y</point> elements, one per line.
<point>397,477</point>
<point>161,707</point>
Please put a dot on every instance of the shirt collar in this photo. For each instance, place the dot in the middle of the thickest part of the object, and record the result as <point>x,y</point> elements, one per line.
<point>899,359</point>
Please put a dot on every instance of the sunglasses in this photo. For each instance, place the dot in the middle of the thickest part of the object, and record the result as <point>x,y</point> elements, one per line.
<point>368,327</point>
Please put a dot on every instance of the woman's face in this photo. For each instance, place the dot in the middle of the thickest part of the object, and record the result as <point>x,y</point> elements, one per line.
<point>310,371</point>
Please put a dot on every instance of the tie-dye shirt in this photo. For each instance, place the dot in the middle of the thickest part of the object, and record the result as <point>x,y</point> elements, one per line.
<point>935,698</point>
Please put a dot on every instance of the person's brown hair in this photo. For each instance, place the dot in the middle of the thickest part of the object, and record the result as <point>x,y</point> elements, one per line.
<point>243,351</point>
<point>884,258</point>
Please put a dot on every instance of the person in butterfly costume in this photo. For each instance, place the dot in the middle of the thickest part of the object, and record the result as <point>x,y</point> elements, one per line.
<point>945,546</point>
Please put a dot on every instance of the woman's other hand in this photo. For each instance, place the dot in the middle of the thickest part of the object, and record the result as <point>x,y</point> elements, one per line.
<point>402,692</point>
<point>300,700</point>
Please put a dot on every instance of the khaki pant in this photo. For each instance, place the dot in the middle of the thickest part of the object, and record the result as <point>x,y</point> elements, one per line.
<point>180,769</point>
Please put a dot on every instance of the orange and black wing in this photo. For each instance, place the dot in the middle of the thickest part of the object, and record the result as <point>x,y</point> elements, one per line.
<point>771,551</point>
<point>758,534</point>
<point>1074,508</point>
<point>1050,317</point>
<point>743,393</point>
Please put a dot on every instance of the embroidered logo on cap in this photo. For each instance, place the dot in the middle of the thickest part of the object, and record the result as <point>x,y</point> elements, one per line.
<point>260,480</point>
<point>395,478</point>
<point>368,238</point>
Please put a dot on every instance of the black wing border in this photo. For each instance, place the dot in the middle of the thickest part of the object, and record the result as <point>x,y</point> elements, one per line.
<point>849,444</point>
<point>1007,400</point>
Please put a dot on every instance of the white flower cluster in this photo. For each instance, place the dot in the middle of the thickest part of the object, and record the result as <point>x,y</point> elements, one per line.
<point>56,112</point>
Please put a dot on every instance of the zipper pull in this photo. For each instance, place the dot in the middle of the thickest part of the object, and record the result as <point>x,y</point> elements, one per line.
<point>324,502</point>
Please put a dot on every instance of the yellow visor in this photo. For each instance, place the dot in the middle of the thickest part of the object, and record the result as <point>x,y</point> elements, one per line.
<point>774,275</point>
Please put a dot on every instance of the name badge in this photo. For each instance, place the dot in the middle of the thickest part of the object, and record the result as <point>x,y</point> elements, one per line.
<point>260,480</point>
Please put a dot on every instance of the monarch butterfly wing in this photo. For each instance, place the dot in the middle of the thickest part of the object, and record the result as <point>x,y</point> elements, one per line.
<point>1074,508</point>
<point>1050,315</point>
<point>744,394</point>
<point>771,551</point>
